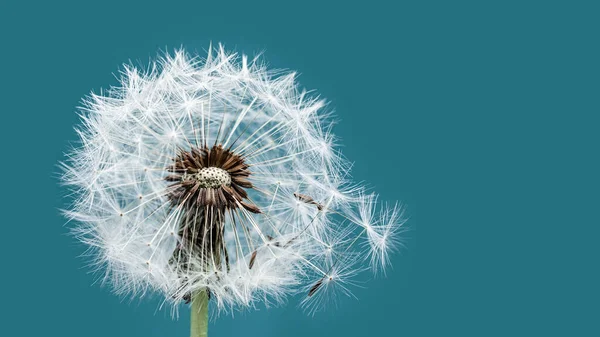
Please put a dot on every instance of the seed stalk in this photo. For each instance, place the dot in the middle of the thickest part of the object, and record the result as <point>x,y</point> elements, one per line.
<point>199,314</point>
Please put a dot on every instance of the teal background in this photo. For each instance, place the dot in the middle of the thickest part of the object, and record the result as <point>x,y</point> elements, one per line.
<point>482,114</point>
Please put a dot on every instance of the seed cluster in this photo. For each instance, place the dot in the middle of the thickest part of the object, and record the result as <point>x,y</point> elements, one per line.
<point>207,183</point>
<point>213,177</point>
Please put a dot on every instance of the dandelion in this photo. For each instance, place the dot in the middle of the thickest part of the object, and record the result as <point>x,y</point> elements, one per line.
<point>218,180</point>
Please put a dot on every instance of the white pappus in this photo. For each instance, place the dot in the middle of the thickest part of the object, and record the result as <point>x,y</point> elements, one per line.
<point>216,174</point>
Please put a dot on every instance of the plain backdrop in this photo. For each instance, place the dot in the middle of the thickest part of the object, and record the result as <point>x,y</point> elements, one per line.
<point>481,114</point>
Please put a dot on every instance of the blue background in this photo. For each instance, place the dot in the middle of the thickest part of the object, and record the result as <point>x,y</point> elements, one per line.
<point>483,114</point>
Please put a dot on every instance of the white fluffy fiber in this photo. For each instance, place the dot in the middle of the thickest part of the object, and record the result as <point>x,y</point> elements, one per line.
<point>129,135</point>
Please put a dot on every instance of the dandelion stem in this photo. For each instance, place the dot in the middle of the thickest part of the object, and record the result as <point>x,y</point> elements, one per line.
<point>199,314</point>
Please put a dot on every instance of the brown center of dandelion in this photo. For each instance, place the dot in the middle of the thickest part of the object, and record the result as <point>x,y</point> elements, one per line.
<point>214,177</point>
<point>208,184</point>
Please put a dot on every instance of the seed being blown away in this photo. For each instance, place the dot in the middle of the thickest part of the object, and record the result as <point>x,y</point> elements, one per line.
<point>218,176</point>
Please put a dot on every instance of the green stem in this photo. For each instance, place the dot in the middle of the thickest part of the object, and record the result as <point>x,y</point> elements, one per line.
<point>199,312</point>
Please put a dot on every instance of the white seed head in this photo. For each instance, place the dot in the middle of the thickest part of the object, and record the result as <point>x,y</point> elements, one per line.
<point>220,174</point>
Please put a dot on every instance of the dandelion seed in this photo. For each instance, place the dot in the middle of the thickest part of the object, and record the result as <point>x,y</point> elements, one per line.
<point>252,259</point>
<point>217,180</point>
<point>308,200</point>
<point>315,287</point>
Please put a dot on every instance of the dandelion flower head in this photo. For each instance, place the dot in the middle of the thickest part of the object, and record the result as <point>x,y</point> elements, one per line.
<point>219,174</point>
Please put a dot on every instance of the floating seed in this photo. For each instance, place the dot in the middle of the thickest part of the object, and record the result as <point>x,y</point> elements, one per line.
<point>314,288</point>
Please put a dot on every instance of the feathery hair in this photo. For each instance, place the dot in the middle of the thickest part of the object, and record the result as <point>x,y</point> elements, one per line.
<point>217,174</point>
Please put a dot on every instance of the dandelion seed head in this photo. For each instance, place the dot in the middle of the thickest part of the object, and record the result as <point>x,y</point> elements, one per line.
<point>219,174</point>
